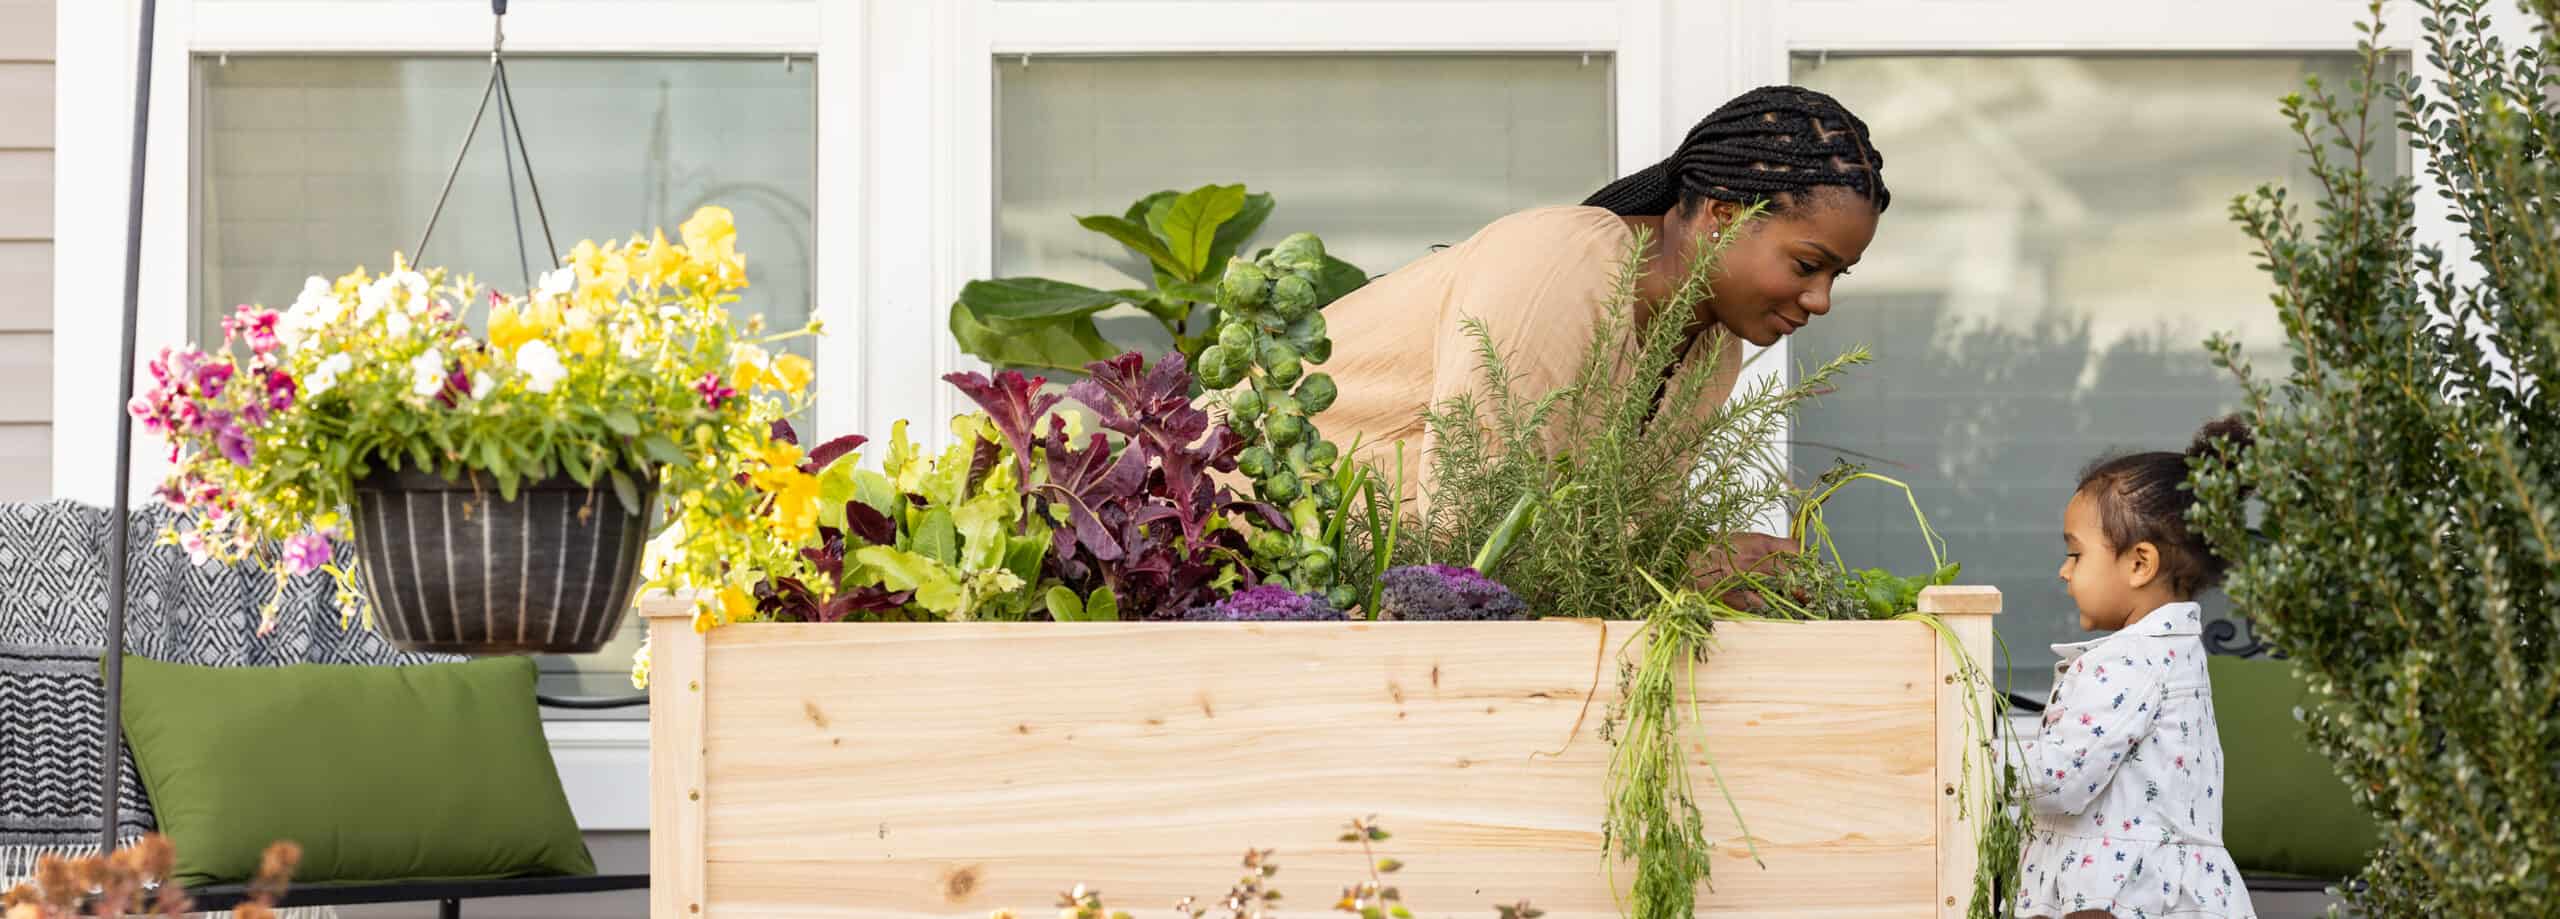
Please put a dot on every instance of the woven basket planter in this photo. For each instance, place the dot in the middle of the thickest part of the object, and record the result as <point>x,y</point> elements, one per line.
<point>450,567</point>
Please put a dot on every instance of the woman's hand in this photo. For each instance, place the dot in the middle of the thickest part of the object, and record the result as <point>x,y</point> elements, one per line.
<point>1749,553</point>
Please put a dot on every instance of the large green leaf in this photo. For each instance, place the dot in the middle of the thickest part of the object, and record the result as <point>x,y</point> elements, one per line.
<point>1144,211</point>
<point>1019,305</point>
<point>1338,279</point>
<point>938,538</point>
<point>1065,346</point>
<point>937,587</point>
<point>1191,227</point>
<point>1129,233</point>
<point>1233,234</point>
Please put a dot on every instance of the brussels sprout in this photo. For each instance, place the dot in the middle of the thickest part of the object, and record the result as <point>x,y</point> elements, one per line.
<point>1326,494</point>
<point>1243,283</point>
<point>1280,489</point>
<point>1342,596</point>
<point>1245,405</point>
<point>1220,368</point>
<point>1324,453</point>
<point>1277,400</point>
<point>1319,352</point>
<point>1293,296</point>
<point>1299,252</point>
<point>1316,393</point>
<point>1317,565</point>
<point>1286,429</point>
<point>1255,461</point>
<point>1273,544</point>
<point>1245,431</point>
<point>1306,330</point>
<point>1281,361</point>
<point>1236,337</point>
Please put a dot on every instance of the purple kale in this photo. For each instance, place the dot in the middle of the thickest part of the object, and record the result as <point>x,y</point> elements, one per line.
<point>1447,593</point>
<point>1143,517</point>
<point>1267,603</point>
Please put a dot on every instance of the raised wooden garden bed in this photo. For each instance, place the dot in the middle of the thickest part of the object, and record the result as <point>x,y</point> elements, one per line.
<point>951,769</point>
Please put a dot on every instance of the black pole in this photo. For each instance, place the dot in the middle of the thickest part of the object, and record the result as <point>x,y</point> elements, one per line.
<point>119,539</point>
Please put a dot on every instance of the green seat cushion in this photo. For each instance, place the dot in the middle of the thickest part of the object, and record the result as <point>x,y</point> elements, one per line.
<point>435,771</point>
<point>2285,810</point>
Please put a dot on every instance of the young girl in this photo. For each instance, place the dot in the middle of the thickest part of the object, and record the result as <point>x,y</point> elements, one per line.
<point>2124,782</point>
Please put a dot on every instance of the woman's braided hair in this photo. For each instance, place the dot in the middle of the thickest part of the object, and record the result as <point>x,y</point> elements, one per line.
<point>1767,145</point>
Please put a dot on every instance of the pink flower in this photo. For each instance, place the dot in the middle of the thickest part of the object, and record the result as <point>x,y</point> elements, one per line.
<point>211,378</point>
<point>171,496</point>
<point>193,542</point>
<point>153,421</point>
<point>305,554</point>
<point>189,419</point>
<point>281,390</point>
<point>234,443</point>
<point>713,392</point>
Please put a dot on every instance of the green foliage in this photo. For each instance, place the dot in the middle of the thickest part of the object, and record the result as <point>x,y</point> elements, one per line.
<point>1186,239</point>
<point>1269,329</point>
<point>1623,492</point>
<point>2408,462</point>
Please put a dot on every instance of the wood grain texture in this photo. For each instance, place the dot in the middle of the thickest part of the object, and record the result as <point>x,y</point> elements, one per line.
<point>675,762</point>
<point>949,769</point>
<point>1967,613</point>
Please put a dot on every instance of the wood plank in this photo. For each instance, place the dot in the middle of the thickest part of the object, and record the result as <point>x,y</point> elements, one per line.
<point>26,105</point>
<point>1014,760</point>
<point>26,194</point>
<point>1963,726</point>
<point>26,286</point>
<point>675,764</point>
<point>26,30</point>
<point>26,462</point>
<point>26,374</point>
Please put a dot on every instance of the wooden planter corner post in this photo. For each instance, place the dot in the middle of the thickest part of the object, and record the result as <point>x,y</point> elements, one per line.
<point>946,769</point>
<point>675,757</point>
<point>1967,611</point>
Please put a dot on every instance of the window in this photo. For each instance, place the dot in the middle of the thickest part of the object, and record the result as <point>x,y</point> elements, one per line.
<point>313,165</point>
<point>2058,250</point>
<point>1383,155</point>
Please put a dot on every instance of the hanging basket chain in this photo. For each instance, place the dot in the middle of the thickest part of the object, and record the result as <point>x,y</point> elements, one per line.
<point>511,147</point>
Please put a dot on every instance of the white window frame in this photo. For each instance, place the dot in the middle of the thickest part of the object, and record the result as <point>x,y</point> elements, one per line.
<point>603,764</point>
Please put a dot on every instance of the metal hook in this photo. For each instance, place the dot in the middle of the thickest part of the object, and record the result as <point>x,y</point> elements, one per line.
<point>787,64</point>
<point>1026,60</point>
<point>222,60</point>
<point>1586,60</point>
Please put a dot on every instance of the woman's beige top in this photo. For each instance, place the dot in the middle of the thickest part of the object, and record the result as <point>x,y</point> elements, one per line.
<point>1540,280</point>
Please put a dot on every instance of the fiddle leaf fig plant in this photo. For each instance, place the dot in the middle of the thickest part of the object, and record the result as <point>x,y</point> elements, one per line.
<point>1185,240</point>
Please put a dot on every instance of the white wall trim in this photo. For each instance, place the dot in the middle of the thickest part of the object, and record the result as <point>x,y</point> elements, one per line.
<point>462,26</point>
<point>604,767</point>
<point>1941,26</point>
<point>1384,25</point>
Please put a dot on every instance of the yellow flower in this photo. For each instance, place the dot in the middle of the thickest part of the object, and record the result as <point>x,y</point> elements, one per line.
<point>794,371</point>
<point>750,368</point>
<point>711,245</point>
<point>704,618</point>
<point>656,261</point>
<point>584,338</point>
<point>507,328</point>
<point>602,271</point>
<point>795,510</point>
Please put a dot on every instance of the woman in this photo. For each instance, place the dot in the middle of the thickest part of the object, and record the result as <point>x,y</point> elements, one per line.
<point>1540,280</point>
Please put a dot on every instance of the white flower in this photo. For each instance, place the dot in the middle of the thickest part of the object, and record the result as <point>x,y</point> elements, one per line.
<point>540,365</point>
<point>557,283</point>
<point>481,384</point>
<point>315,309</point>
<point>414,285</point>
<point>326,375</point>
<point>426,373</point>
<point>370,300</point>
<point>399,323</point>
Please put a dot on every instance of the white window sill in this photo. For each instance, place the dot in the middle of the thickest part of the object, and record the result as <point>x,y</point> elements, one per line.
<point>604,767</point>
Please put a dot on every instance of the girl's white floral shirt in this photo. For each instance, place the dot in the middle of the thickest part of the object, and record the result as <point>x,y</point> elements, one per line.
<point>2124,781</point>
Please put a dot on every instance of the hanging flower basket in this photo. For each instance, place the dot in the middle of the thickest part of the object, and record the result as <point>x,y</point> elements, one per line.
<point>452,566</point>
<point>499,486</point>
